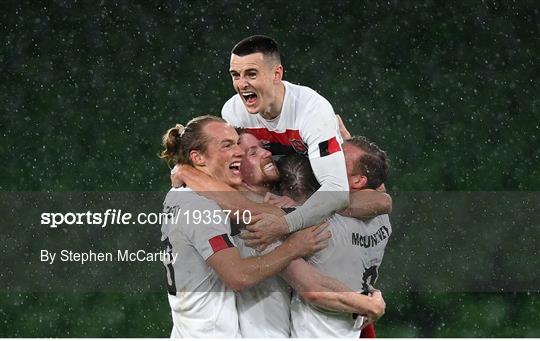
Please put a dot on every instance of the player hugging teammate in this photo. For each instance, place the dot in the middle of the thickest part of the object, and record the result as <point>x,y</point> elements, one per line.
<point>229,286</point>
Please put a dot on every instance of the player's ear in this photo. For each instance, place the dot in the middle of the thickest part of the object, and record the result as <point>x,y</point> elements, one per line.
<point>363,181</point>
<point>197,158</point>
<point>358,181</point>
<point>278,74</point>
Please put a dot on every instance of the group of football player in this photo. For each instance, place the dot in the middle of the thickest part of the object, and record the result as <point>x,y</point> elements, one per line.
<point>311,213</point>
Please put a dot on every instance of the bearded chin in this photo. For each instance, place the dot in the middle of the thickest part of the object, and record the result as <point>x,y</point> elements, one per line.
<point>271,178</point>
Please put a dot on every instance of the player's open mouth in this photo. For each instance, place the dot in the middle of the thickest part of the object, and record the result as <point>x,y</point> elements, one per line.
<point>235,168</point>
<point>249,97</point>
<point>269,167</point>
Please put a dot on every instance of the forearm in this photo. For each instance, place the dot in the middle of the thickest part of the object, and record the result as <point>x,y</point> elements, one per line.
<point>236,201</point>
<point>226,196</point>
<point>343,301</point>
<point>256,269</point>
<point>202,182</point>
<point>332,196</point>
<point>337,296</point>
<point>367,204</point>
<point>318,207</point>
<point>324,291</point>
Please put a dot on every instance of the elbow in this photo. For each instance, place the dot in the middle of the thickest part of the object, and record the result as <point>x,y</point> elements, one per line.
<point>387,204</point>
<point>342,200</point>
<point>237,285</point>
<point>240,283</point>
<point>313,297</point>
<point>335,194</point>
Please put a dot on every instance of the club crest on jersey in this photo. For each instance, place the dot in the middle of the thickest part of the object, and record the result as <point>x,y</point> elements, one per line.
<point>265,143</point>
<point>299,146</point>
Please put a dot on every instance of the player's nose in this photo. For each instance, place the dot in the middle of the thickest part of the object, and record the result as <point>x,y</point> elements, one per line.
<point>242,83</point>
<point>238,151</point>
<point>266,153</point>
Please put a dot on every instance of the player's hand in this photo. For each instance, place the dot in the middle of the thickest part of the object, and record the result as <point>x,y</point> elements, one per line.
<point>379,308</point>
<point>177,179</point>
<point>343,131</point>
<point>265,229</point>
<point>278,200</point>
<point>310,240</point>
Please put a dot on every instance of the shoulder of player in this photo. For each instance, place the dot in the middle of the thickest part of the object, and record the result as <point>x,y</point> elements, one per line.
<point>339,224</point>
<point>310,107</point>
<point>341,220</point>
<point>384,219</point>
<point>233,111</point>
<point>305,94</point>
<point>190,200</point>
<point>231,103</point>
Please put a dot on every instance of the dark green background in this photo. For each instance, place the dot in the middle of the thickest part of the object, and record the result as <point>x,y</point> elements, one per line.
<point>450,90</point>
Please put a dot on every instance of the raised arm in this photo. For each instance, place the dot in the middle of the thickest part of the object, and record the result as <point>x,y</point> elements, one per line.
<point>267,228</point>
<point>332,196</point>
<point>320,131</point>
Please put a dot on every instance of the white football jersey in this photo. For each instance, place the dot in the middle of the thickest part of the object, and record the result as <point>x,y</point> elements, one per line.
<point>307,119</point>
<point>202,305</point>
<point>353,257</point>
<point>264,309</point>
<point>306,125</point>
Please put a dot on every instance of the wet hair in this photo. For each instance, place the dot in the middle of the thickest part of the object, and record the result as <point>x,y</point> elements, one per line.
<point>373,163</point>
<point>297,180</point>
<point>258,43</point>
<point>179,141</point>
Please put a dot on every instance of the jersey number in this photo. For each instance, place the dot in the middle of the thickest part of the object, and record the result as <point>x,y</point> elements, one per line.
<point>369,277</point>
<point>171,286</point>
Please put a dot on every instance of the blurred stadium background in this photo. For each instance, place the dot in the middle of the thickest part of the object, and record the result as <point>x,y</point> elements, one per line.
<point>449,89</point>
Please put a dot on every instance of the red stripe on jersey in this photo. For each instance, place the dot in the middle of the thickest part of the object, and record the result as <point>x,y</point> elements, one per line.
<point>272,136</point>
<point>333,145</point>
<point>289,137</point>
<point>220,242</point>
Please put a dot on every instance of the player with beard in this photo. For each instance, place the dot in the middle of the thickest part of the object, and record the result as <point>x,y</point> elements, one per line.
<point>264,309</point>
<point>289,119</point>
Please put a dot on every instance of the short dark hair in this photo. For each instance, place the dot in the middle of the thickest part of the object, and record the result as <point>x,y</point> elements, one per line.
<point>373,163</point>
<point>297,180</point>
<point>258,43</point>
